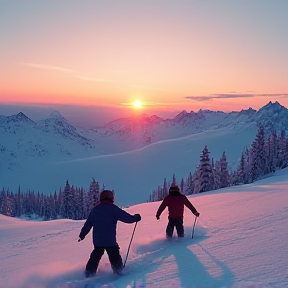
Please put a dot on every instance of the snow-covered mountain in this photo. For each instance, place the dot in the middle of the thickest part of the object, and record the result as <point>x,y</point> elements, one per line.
<point>56,124</point>
<point>43,155</point>
<point>273,116</point>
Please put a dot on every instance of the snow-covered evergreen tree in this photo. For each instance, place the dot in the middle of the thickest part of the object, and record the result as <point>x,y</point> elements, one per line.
<point>283,151</point>
<point>258,155</point>
<point>74,202</point>
<point>165,190</point>
<point>61,203</point>
<point>224,173</point>
<point>2,195</point>
<point>93,194</point>
<point>182,184</point>
<point>239,175</point>
<point>47,208</point>
<point>196,180</point>
<point>189,185</point>
<point>269,167</point>
<point>247,166</point>
<point>205,169</point>
<point>157,194</point>
<point>57,204</point>
<point>6,205</point>
<point>79,204</point>
<point>67,202</point>
<point>18,203</point>
<point>217,175</point>
<point>271,150</point>
<point>174,182</point>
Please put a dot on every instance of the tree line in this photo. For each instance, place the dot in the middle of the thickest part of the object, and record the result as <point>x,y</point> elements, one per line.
<point>266,154</point>
<point>71,202</point>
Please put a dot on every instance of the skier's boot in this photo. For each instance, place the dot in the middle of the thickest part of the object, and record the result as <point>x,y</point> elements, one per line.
<point>89,273</point>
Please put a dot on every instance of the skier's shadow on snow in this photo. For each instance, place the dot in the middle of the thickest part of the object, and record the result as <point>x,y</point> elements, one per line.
<point>190,270</point>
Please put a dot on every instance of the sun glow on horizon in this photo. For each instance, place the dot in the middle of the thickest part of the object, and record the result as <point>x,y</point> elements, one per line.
<point>137,104</point>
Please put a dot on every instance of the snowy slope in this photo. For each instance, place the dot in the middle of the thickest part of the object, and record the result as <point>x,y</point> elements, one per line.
<point>134,174</point>
<point>240,241</point>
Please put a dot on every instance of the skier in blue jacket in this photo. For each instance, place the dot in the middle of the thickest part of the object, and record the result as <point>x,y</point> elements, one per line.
<point>103,218</point>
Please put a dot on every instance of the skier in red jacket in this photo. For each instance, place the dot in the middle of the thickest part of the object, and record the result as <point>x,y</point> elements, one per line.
<point>175,202</point>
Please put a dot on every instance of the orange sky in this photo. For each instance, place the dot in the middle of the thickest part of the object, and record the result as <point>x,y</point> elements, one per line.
<point>217,55</point>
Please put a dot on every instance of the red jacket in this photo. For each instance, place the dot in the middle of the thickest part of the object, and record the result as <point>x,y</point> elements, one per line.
<point>175,203</point>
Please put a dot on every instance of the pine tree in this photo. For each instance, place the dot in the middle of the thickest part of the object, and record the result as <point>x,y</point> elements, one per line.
<point>18,204</point>
<point>217,176</point>
<point>74,203</point>
<point>247,166</point>
<point>157,194</point>
<point>53,214</point>
<point>61,203</point>
<point>189,185</point>
<point>283,151</point>
<point>165,190</point>
<point>93,194</point>
<point>79,204</point>
<point>6,206</point>
<point>206,177</point>
<point>67,202</point>
<point>271,148</point>
<point>174,179</point>
<point>240,175</point>
<point>224,173</point>
<point>182,184</point>
<point>2,195</point>
<point>258,155</point>
<point>82,202</point>
<point>57,204</point>
<point>241,168</point>
<point>196,180</point>
<point>47,208</point>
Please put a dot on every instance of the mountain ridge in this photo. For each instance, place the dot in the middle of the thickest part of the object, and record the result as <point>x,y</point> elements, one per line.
<point>129,133</point>
<point>43,156</point>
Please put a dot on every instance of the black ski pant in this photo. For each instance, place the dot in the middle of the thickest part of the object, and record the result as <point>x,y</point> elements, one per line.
<point>178,224</point>
<point>114,258</point>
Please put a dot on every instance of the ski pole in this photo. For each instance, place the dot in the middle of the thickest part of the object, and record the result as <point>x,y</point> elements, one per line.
<point>194,226</point>
<point>130,245</point>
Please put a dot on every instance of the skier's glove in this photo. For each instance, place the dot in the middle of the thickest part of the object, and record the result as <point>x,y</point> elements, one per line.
<point>81,237</point>
<point>138,217</point>
<point>157,217</point>
<point>197,214</point>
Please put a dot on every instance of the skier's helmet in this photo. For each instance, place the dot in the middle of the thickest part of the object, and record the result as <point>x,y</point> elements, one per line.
<point>107,195</point>
<point>174,189</point>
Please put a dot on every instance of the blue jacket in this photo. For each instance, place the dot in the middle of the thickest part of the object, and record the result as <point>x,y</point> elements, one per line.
<point>103,218</point>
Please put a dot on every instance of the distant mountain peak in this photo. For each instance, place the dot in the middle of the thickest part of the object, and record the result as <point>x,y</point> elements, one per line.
<point>21,114</point>
<point>55,115</point>
<point>55,118</point>
<point>273,116</point>
<point>20,117</point>
<point>272,107</point>
<point>271,103</point>
<point>181,115</point>
<point>183,112</point>
<point>249,112</point>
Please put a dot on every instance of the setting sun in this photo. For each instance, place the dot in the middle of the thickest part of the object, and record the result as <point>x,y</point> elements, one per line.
<point>137,104</point>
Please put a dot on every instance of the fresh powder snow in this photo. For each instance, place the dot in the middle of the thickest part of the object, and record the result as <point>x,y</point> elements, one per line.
<point>240,240</point>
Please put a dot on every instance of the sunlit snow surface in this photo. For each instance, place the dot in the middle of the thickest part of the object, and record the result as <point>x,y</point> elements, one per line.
<point>240,241</point>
